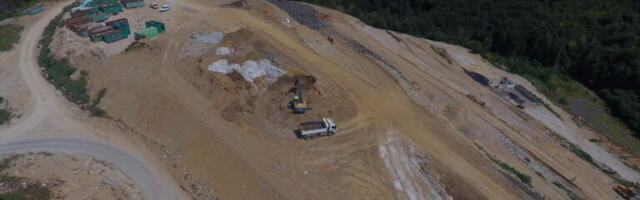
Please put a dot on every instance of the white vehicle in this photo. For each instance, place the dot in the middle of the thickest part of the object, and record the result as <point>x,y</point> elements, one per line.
<point>313,129</point>
<point>165,8</point>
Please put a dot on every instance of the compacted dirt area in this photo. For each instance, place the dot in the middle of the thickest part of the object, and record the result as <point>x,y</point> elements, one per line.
<point>210,97</point>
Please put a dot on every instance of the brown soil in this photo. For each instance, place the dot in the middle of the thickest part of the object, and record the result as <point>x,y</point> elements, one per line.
<point>221,134</point>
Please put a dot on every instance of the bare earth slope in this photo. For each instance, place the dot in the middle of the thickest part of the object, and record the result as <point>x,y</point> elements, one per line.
<point>412,123</point>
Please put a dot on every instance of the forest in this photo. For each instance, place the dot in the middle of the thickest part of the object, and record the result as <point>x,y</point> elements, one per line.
<point>13,8</point>
<point>596,42</point>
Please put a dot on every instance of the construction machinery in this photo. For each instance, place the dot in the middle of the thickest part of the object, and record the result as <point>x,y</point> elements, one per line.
<point>313,129</point>
<point>298,104</point>
<point>627,193</point>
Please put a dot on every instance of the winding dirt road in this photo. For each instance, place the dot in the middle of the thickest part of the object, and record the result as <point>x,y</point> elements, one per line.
<point>51,114</point>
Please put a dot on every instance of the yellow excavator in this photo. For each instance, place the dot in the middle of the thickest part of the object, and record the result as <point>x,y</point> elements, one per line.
<point>298,104</point>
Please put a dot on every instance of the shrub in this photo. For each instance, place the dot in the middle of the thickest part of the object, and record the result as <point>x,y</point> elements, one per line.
<point>9,35</point>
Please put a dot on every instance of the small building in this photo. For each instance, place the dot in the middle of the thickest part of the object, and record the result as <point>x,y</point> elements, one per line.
<point>132,3</point>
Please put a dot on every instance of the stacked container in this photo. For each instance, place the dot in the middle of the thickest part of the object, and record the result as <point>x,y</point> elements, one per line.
<point>132,3</point>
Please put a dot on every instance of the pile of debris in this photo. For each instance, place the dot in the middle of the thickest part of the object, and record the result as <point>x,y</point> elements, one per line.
<point>249,70</point>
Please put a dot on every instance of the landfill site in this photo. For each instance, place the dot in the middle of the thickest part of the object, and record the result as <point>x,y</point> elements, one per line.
<point>275,99</point>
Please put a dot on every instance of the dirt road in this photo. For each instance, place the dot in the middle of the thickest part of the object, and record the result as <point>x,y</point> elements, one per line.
<point>51,114</point>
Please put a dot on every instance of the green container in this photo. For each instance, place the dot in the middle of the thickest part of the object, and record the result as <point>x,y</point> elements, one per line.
<point>146,33</point>
<point>100,17</point>
<point>87,3</point>
<point>159,25</point>
<point>124,27</point>
<point>109,38</point>
<point>97,39</point>
<point>111,8</point>
<point>34,10</point>
<point>134,4</point>
<point>106,1</point>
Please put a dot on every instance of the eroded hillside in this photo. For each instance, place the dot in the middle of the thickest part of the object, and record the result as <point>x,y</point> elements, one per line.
<point>417,119</point>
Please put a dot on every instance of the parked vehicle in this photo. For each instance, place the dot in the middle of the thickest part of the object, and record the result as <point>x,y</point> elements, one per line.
<point>165,8</point>
<point>155,6</point>
<point>313,129</point>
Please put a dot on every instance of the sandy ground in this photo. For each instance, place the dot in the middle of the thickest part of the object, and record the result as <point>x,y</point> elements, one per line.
<point>48,117</point>
<point>73,176</point>
<point>412,124</point>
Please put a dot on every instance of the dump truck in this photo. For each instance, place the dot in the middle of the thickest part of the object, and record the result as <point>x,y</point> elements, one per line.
<point>298,104</point>
<point>313,129</point>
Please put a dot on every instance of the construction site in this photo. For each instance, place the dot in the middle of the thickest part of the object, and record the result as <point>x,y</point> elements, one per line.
<point>274,99</point>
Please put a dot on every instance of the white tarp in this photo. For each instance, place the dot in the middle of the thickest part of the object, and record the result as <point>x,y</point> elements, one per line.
<point>249,70</point>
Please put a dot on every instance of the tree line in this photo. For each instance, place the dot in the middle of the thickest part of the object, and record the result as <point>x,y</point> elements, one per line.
<point>14,8</point>
<point>595,42</point>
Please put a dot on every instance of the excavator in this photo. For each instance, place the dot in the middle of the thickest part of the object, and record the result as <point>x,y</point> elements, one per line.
<point>298,104</point>
<point>627,193</point>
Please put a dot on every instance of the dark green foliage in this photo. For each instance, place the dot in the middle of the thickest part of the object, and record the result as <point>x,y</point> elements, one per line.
<point>550,42</point>
<point>526,179</point>
<point>58,71</point>
<point>31,192</point>
<point>9,35</point>
<point>94,110</point>
<point>5,116</point>
<point>584,155</point>
<point>14,8</point>
<point>572,195</point>
<point>4,163</point>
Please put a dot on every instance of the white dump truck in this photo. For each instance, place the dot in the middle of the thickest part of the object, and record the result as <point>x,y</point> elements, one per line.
<point>313,129</point>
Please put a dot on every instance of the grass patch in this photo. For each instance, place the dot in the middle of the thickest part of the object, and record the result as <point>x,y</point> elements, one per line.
<point>94,110</point>
<point>9,35</point>
<point>394,36</point>
<point>572,195</point>
<point>581,154</point>
<point>554,84</point>
<point>442,52</point>
<point>4,163</point>
<point>552,111</point>
<point>5,116</point>
<point>32,192</point>
<point>526,179</point>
